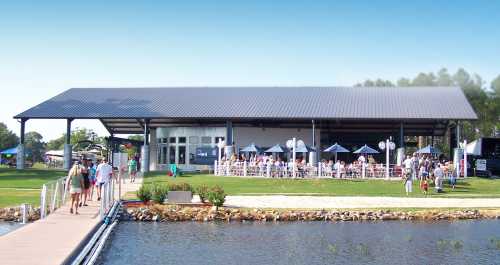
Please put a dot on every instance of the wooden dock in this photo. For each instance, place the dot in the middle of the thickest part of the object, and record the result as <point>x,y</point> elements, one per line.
<point>52,240</point>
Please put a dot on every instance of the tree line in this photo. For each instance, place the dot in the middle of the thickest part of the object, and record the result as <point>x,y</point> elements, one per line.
<point>484,98</point>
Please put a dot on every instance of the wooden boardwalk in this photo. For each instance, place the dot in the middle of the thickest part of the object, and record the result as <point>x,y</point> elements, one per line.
<point>52,240</point>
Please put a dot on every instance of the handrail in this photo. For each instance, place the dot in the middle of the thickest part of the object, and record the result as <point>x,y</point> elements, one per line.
<point>52,196</point>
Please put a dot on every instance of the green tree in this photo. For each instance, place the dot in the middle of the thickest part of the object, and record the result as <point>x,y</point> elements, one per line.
<point>404,82</point>
<point>8,139</point>
<point>444,78</point>
<point>35,146</point>
<point>80,139</point>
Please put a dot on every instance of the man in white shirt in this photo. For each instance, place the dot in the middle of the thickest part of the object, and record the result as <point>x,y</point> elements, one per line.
<point>103,173</point>
<point>408,163</point>
<point>439,174</point>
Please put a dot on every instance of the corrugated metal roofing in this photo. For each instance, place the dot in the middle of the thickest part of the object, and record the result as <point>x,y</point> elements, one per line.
<point>258,102</point>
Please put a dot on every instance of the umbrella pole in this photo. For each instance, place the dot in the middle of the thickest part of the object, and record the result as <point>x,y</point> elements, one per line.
<point>335,157</point>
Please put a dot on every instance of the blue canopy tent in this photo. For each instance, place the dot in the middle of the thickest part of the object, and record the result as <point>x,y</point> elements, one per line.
<point>276,149</point>
<point>251,148</point>
<point>8,152</point>
<point>366,150</point>
<point>336,148</point>
<point>304,149</point>
<point>429,150</point>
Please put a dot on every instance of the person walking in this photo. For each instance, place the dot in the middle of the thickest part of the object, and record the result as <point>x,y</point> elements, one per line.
<point>74,184</point>
<point>92,178</point>
<point>132,169</point>
<point>438,181</point>
<point>408,163</point>
<point>86,183</point>
<point>453,175</point>
<point>103,174</point>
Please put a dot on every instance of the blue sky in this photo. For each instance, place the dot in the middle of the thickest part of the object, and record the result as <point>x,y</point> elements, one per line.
<point>47,47</point>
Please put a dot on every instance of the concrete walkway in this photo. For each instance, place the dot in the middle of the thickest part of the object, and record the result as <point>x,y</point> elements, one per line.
<point>52,240</point>
<point>324,202</point>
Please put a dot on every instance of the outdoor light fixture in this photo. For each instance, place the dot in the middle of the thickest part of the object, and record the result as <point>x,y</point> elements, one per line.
<point>221,144</point>
<point>387,146</point>
<point>292,145</point>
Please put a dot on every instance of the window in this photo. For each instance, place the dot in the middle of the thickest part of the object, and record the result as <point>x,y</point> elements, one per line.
<point>171,140</point>
<point>194,139</point>
<point>163,155</point>
<point>172,154</point>
<point>218,139</point>
<point>206,140</point>
<point>163,140</point>
<point>182,140</point>
<point>182,154</point>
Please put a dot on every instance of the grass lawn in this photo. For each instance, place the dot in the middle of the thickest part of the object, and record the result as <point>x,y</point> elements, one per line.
<point>470,188</point>
<point>23,186</point>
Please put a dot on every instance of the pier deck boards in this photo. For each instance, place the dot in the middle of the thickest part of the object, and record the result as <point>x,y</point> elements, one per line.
<point>52,240</point>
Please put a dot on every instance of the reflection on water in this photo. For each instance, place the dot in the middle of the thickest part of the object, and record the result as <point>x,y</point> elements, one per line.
<point>463,242</point>
<point>6,227</point>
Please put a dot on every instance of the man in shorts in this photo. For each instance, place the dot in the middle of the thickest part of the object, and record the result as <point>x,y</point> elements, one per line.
<point>103,174</point>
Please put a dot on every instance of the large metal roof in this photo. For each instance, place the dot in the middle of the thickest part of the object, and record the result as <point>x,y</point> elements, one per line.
<point>125,107</point>
<point>258,102</point>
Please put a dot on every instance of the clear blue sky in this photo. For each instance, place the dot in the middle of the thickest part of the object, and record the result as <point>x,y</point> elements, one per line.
<point>48,47</point>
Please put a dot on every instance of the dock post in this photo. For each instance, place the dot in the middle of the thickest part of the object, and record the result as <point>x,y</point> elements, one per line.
<point>24,210</point>
<point>43,199</point>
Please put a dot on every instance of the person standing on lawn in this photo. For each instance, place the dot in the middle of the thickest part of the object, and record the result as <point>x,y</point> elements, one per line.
<point>132,169</point>
<point>408,164</point>
<point>103,174</point>
<point>74,184</point>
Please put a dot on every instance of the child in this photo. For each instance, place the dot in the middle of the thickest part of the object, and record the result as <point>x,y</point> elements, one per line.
<point>424,185</point>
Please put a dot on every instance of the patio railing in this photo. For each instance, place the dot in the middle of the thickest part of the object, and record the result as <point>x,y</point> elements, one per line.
<point>305,171</point>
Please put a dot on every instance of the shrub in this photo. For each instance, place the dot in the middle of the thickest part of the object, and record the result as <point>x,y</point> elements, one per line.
<point>180,187</point>
<point>159,192</point>
<point>202,192</point>
<point>144,193</point>
<point>217,196</point>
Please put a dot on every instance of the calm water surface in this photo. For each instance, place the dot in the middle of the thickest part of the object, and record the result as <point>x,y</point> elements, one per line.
<point>463,242</point>
<point>6,227</point>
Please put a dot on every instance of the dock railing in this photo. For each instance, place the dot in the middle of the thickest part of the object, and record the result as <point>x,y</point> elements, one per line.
<point>53,196</point>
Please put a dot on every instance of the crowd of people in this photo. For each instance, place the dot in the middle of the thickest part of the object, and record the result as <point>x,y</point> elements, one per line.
<point>426,169</point>
<point>82,178</point>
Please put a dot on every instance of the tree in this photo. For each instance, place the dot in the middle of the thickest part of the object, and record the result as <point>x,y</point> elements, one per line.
<point>423,79</point>
<point>486,103</point>
<point>35,146</point>
<point>444,78</point>
<point>7,138</point>
<point>404,82</point>
<point>80,139</point>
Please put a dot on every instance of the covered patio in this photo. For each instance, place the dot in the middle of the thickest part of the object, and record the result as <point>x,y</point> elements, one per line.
<point>321,116</point>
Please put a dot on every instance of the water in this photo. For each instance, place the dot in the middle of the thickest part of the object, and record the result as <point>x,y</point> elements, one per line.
<point>463,242</point>
<point>6,227</point>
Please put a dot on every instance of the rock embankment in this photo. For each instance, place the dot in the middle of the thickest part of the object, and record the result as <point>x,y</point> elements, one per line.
<point>14,214</point>
<point>160,213</point>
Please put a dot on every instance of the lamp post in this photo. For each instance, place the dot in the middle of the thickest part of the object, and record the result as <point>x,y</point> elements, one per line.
<point>387,146</point>
<point>221,144</point>
<point>292,144</point>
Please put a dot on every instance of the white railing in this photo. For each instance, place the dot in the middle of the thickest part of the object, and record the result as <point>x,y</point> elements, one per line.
<point>107,197</point>
<point>52,196</point>
<point>305,171</point>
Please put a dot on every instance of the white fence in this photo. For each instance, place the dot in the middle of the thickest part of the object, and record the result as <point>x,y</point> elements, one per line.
<point>53,196</point>
<point>305,171</point>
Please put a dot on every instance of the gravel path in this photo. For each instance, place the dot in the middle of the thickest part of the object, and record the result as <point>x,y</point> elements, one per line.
<point>319,202</point>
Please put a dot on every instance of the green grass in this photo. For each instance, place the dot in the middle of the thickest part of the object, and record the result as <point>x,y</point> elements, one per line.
<point>470,188</point>
<point>23,186</point>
